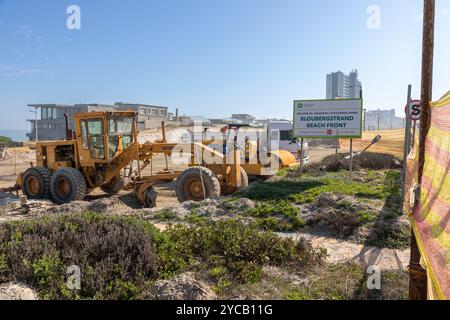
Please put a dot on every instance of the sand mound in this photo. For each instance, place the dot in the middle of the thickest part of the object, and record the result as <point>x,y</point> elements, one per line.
<point>366,160</point>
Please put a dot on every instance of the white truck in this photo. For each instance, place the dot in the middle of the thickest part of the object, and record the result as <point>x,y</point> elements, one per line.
<point>282,131</point>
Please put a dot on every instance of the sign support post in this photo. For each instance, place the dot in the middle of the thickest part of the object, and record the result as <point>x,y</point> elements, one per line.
<point>406,144</point>
<point>350,169</point>
<point>302,141</point>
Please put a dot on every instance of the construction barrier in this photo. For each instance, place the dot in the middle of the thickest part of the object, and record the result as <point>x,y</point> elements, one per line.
<point>391,142</point>
<point>430,218</point>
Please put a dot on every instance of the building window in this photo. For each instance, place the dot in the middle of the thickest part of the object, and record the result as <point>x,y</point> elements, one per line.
<point>49,113</point>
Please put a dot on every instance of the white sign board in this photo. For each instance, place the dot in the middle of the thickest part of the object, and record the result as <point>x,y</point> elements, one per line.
<point>328,118</point>
<point>414,110</point>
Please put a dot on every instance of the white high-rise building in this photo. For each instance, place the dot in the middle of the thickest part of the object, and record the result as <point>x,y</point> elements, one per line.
<point>343,86</point>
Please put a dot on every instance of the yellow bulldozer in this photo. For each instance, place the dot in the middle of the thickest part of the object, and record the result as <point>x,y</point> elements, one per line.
<point>104,145</point>
<point>256,160</point>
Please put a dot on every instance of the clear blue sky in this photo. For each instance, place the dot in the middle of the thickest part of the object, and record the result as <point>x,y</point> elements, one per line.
<point>210,57</point>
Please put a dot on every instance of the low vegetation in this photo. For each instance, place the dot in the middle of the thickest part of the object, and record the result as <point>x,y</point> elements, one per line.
<point>121,257</point>
<point>276,215</point>
<point>309,187</point>
<point>278,203</point>
<point>116,255</point>
<point>348,281</point>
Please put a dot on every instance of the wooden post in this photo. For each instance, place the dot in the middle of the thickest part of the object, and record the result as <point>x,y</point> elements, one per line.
<point>417,275</point>
<point>15,160</point>
<point>351,160</point>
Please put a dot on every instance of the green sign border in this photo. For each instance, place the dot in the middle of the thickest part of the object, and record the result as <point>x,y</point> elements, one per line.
<point>328,137</point>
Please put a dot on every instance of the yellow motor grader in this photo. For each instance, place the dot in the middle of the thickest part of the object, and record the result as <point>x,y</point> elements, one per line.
<point>104,145</point>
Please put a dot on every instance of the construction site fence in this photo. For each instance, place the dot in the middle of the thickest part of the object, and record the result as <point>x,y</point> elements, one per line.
<point>428,205</point>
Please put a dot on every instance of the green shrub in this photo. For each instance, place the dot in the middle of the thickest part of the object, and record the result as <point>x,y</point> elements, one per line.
<point>367,217</point>
<point>3,265</point>
<point>230,245</point>
<point>5,140</point>
<point>276,216</point>
<point>111,252</point>
<point>119,257</point>
<point>348,281</point>
<point>395,237</point>
<point>165,214</point>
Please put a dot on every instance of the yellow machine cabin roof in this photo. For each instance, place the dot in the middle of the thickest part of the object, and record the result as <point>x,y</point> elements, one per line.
<point>102,114</point>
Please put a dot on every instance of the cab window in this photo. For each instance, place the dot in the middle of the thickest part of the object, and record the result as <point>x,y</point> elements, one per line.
<point>120,135</point>
<point>84,135</point>
<point>96,142</point>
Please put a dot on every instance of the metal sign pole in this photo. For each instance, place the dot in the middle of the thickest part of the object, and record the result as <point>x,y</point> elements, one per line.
<point>351,160</point>
<point>406,145</point>
<point>301,155</point>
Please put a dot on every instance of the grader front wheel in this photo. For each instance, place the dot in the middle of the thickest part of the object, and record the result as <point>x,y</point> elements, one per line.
<point>67,185</point>
<point>196,184</point>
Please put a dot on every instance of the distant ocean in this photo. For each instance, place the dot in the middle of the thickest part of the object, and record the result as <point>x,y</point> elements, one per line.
<point>18,135</point>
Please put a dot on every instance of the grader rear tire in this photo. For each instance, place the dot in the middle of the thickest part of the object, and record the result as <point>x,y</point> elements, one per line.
<point>67,185</point>
<point>190,185</point>
<point>114,186</point>
<point>226,190</point>
<point>36,183</point>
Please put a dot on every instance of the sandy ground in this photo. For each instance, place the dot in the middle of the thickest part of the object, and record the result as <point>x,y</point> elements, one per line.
<point>317,153</point>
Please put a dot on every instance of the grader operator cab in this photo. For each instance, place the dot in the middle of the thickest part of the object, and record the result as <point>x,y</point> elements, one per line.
<point>104,145</point>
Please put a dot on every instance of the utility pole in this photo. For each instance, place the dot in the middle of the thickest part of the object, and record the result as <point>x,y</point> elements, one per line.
<point>365,113</point>
<point>418,276</point>
<point>378,116</point>
<point>35,121</point>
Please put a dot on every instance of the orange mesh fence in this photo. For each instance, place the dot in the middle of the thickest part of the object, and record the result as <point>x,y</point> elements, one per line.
<point>431,217</point>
